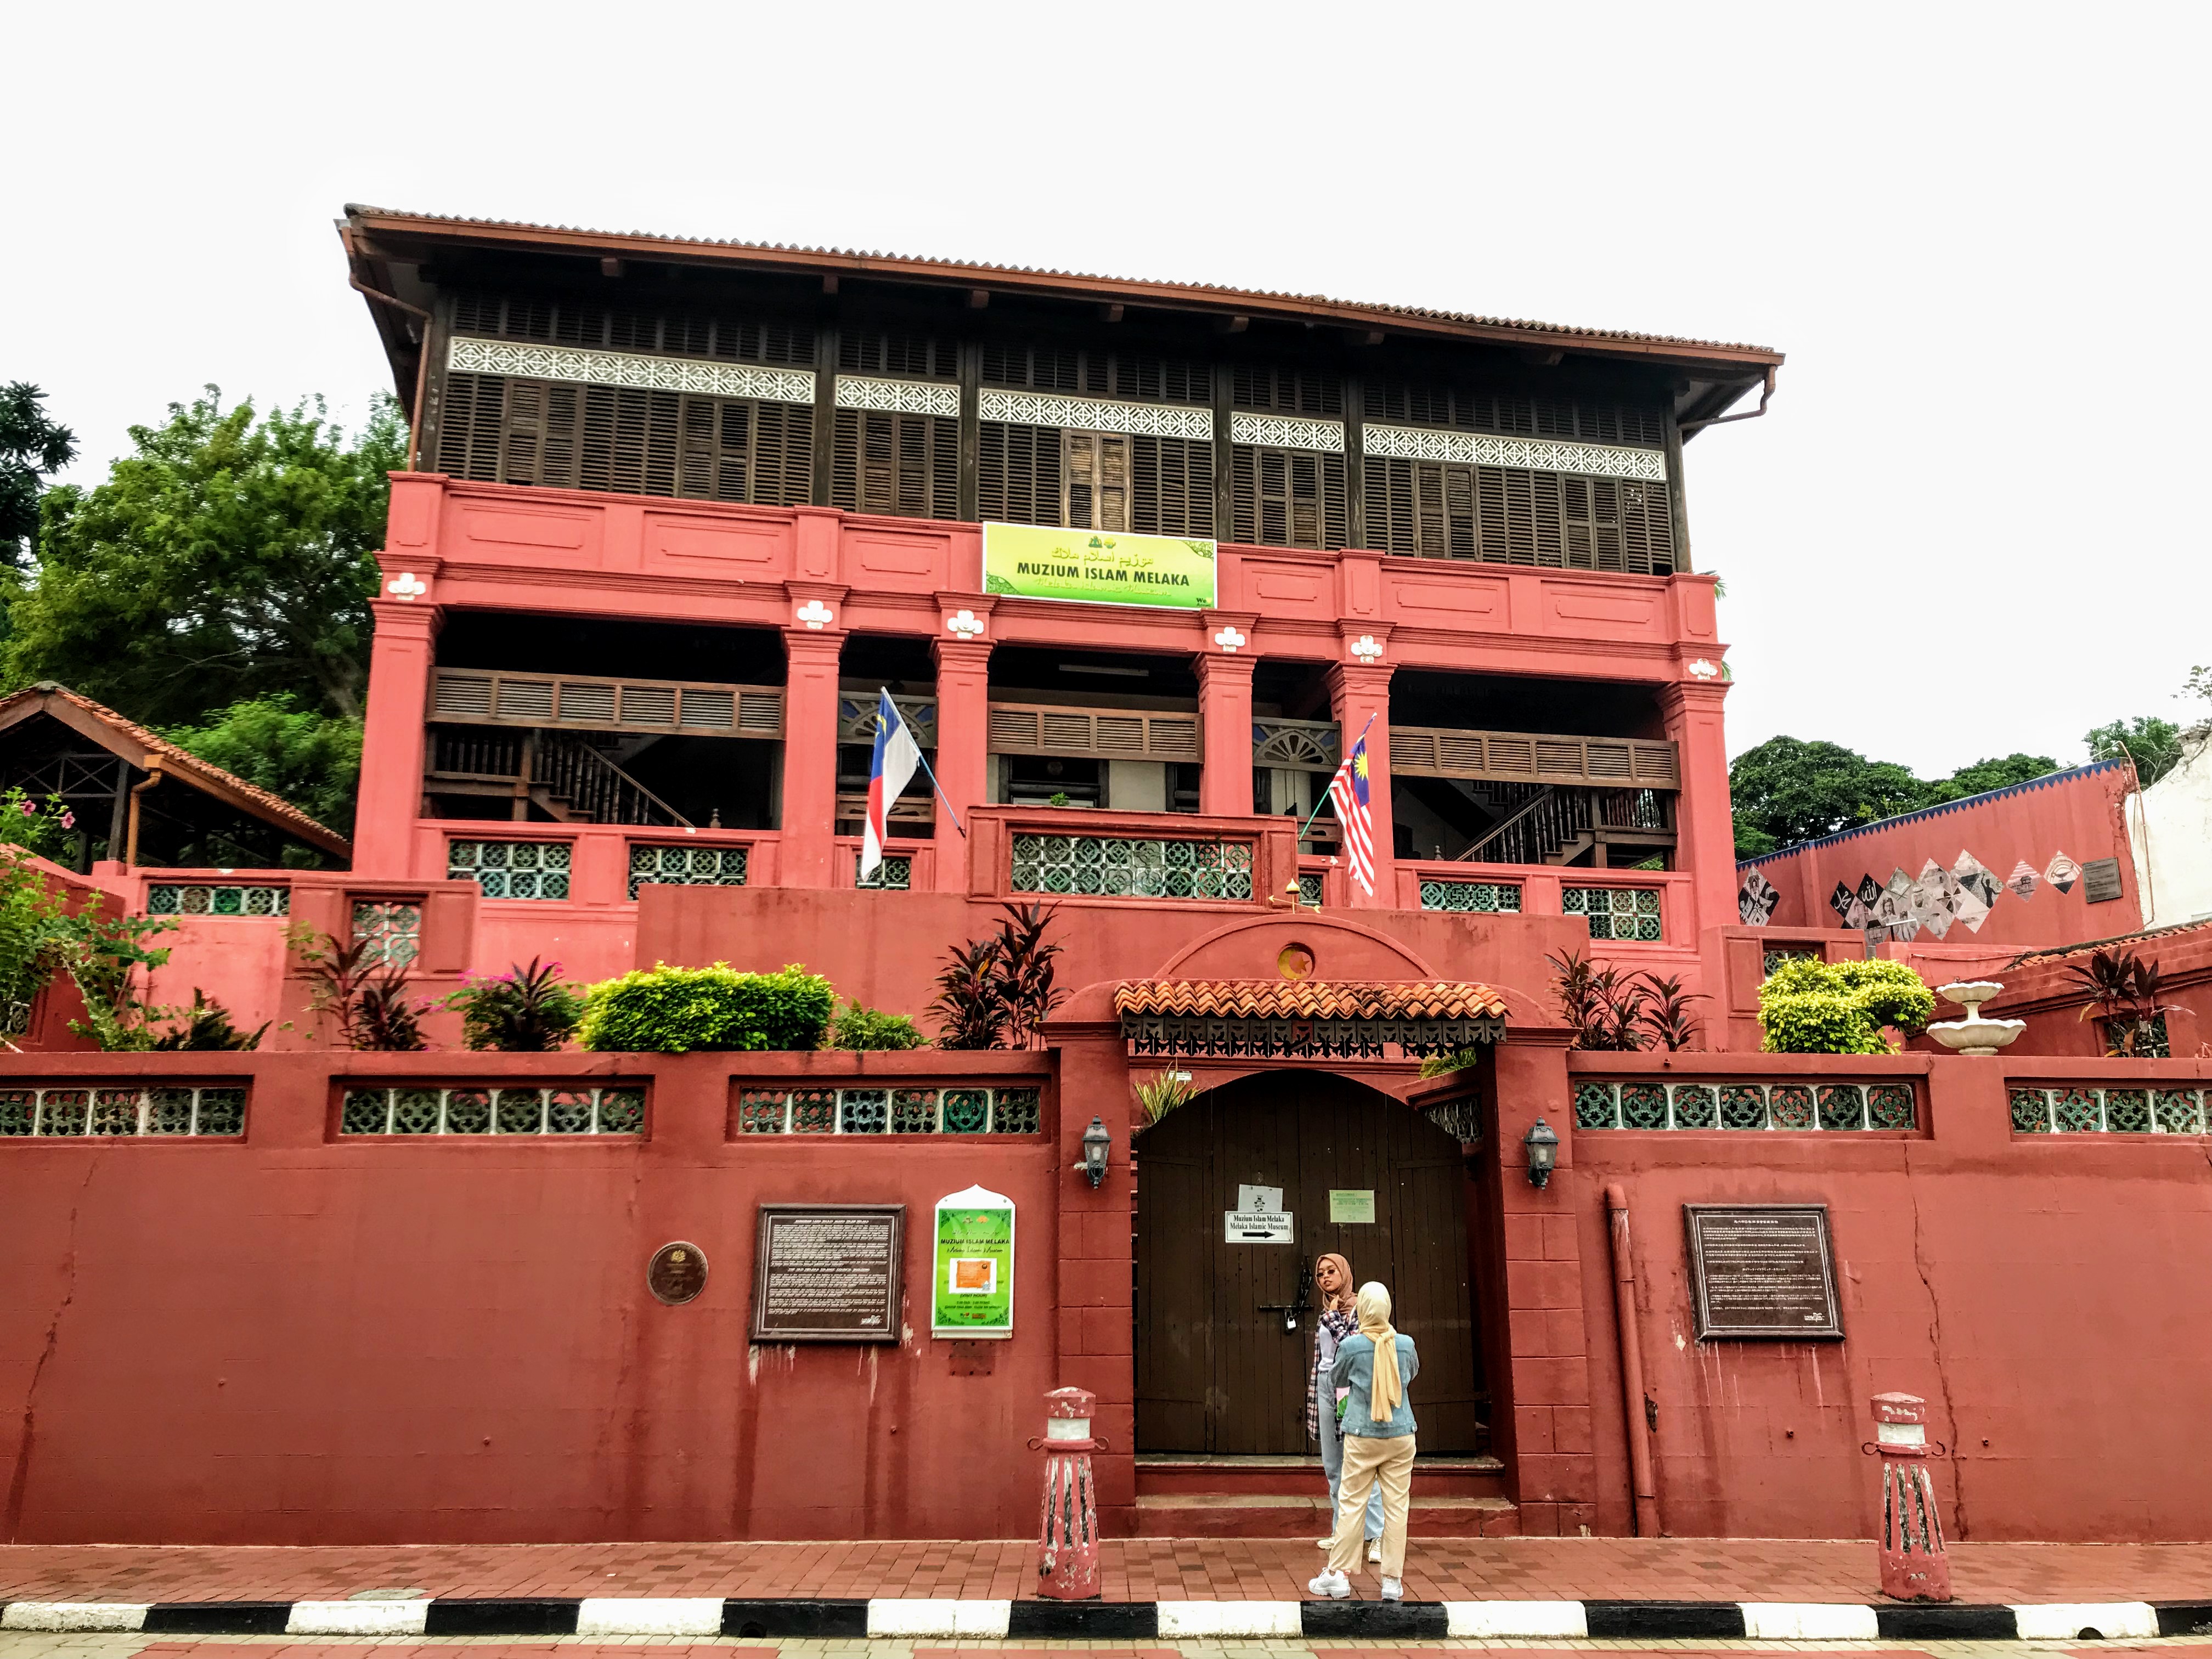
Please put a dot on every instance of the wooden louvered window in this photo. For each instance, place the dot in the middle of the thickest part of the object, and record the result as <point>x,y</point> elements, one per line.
<point>630,440</point>
<point>909,465</point>
<point>1293,392</point>
<point>1506,516</point>
<point>1134,375</point>
<point>1096,480</point>
<point>1018,473</point>
<point>1592,420</point>
<point>566,321</point>
<point>1287,498</point>
<point>905,356</point>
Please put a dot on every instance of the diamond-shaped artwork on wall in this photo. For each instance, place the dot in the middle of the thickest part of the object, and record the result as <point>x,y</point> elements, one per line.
<point>2023,879</point>
<point>1841,901</point>
<point>2062,872</point>
<point>1756,900</point>
<point>1869,891</point>
<point>1978,878</point>
<point>1971,908</point>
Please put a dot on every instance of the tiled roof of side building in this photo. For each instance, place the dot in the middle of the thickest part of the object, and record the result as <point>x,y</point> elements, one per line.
<point>183,762</point>
<point>2049,779</point>
<point>895,263</point>
<point>1272,999</point>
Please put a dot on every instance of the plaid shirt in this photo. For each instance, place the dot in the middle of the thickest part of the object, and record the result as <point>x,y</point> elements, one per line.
<point>1330,1329</point>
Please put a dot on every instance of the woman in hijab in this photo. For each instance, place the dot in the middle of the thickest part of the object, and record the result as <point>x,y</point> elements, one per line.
<point>1376,1366</point>
<point>1333,1281</point>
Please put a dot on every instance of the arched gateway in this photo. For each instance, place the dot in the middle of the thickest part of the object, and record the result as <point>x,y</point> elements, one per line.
<point>1221,1368</point>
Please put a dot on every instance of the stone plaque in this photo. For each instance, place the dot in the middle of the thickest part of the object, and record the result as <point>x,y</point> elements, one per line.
<point>827,1272</point>
<point>2100,880</point>
<point>676,1273</point>
<point>1763,1271</point>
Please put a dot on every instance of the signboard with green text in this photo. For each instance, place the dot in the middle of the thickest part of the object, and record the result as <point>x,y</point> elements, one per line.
<point>972,1284</point>
<point>1105,567</point>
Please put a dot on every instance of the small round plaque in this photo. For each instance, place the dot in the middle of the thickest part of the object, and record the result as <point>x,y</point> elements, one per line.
<point>1295,962</point>
<point>678,1273</point>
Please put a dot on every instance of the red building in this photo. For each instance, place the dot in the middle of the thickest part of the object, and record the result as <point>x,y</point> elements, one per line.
<point>678,511</point>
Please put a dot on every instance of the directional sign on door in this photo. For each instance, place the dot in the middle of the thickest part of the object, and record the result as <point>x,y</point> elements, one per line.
<point>1258,1219</point>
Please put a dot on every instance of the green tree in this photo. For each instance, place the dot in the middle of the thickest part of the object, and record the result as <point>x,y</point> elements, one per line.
<point>31,447</point>
<point>2153,745</point>
<point>226,560</point>
<point>1984,775</point>
<point>1787,790</point>
<point>310,759</point>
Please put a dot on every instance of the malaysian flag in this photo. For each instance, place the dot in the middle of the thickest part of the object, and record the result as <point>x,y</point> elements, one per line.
<point>1348,789</point>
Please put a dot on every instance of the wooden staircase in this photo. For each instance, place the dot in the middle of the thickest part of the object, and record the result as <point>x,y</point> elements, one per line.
<point>1183,1496</point>
<point>562,775</point>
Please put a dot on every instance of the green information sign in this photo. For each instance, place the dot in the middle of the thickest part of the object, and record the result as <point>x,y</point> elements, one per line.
<point>1101,565</point>
<point>1352,1207</point>
<point>972,1290</point>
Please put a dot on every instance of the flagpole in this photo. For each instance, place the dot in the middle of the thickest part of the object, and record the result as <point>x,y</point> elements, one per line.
<point>928,773</point>
<point>1323,801</point>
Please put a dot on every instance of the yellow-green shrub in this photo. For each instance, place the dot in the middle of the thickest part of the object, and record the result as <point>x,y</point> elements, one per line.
<point>1810,1007</point>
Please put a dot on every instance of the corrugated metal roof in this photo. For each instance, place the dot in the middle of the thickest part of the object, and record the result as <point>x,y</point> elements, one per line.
<point>959,268</point>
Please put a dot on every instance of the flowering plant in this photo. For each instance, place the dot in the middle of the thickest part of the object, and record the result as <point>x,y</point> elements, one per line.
<point>42,827</point>
<point>523,1011</point>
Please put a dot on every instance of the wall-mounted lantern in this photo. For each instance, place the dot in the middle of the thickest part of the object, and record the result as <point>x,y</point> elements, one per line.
<point>1542,1144</point>
<point>1096,1143</point>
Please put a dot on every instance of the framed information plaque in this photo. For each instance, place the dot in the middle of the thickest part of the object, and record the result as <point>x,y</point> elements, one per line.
<point>1764,1271</point>
<point>827,1272</point>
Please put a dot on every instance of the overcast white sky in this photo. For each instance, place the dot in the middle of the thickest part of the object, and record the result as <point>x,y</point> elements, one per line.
<point>1970,524</point>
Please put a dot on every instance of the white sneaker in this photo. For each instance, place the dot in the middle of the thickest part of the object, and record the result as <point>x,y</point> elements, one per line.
<point>1393,1591</point>
<point>1334,1586</point>
<point>1374,1549</point>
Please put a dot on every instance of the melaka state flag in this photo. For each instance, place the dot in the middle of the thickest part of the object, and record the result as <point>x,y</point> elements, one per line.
<point>896,757</point>
<point>1349,789</point>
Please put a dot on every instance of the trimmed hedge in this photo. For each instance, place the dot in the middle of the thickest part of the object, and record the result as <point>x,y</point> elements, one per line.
<point>674,1010</point>
<point>1808,1007</point>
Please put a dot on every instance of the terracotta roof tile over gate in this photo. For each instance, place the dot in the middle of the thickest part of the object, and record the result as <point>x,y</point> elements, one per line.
<point>1269,998</point>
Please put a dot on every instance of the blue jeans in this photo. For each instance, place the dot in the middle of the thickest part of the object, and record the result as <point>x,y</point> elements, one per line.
<point>1332,1460</point>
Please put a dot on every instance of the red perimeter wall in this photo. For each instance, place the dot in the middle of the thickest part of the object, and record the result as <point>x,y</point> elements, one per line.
<point>302,1338</point>
<point>2041,1292</point>
<point>309,1340</point>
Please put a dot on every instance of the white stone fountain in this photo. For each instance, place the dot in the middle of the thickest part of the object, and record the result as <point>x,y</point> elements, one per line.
<point>1974,1035</point>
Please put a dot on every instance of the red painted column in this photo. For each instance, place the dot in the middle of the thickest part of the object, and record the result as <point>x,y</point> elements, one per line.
<point>1705,828</point>
<point>1224,707</point>
<point>1358,690</point>
<point>964,757</point>
<point>808,819</point>
<point>400,659</point>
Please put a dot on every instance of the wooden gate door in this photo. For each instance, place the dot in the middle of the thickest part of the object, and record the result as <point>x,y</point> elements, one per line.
<point>1216,1371</point>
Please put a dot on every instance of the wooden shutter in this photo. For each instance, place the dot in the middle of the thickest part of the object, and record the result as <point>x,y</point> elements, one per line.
<point>1174,487</point>
<point>1145,377</point>
<point>630,440</point>
<point>1508,516</point>
<point>1096,470</point>
<point>1293,391</point>
<point>577,320</point>
<point>1597,420</point>
<point>909,465</point>
<point>1287,498</point>
<point>1018,473</point>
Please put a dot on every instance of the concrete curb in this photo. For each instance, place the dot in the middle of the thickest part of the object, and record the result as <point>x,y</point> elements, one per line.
<point>611,1615</point>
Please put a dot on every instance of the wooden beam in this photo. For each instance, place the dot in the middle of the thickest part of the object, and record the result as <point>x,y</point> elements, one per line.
<point>828,281</point>
<point>1233,324</point>
<point>1109,313</point>
<point>978,298</point>
<point>611,267</point>
<point>1542,357</point>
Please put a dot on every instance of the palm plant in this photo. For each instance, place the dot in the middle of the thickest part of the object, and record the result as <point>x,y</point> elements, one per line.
<point>1024,971</point>
<point>1669,1018</point>
<point>2124,991</point>
<point>526,1011</point>
<point>365,996</point>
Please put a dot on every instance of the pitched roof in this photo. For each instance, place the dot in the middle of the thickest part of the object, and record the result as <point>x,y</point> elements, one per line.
<point>1139,290</point>
<point>103,725</point>
<point>2058,953</point>
<point>1282,998</point>
<point>2048,781</point>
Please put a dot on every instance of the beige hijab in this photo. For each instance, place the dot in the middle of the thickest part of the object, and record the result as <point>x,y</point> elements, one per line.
<point>1388,1391</point>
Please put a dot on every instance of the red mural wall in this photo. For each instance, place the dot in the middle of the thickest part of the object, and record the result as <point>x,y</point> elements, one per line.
<point>2077,813</point>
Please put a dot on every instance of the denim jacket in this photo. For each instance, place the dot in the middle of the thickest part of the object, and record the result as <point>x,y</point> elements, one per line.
<point>1355,1369</point>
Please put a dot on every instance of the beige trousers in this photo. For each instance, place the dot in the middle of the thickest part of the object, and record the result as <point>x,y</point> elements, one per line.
<point>1366,1460</point>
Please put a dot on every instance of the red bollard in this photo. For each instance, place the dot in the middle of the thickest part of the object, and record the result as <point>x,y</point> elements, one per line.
<point>1067,1545</point>
<point>1914,1567</point>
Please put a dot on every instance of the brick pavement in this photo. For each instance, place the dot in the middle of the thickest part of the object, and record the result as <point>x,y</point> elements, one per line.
<point>1134,1570</point>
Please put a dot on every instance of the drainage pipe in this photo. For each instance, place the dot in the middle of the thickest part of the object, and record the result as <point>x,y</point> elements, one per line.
<point>1633,1400</point>
<point>137,794</point>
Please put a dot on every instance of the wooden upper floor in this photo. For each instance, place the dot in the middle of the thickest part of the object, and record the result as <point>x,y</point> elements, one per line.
<point>924,390</point>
